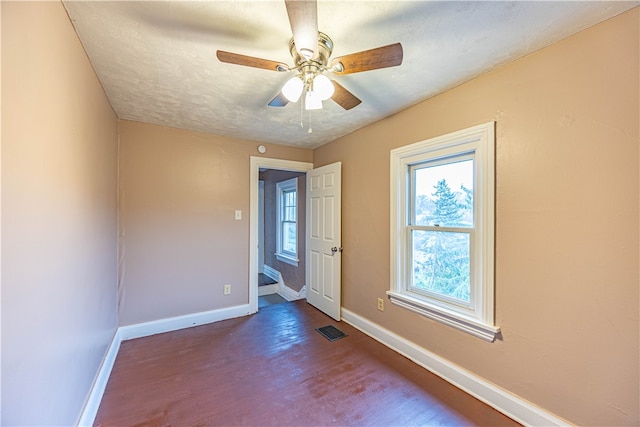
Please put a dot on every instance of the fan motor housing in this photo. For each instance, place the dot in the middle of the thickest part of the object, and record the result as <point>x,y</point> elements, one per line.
<point>325,48</point>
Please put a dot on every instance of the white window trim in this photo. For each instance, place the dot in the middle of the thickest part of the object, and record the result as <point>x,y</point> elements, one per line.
<point>281,187</point>
<point>478,318</point>
<point>287,259</point>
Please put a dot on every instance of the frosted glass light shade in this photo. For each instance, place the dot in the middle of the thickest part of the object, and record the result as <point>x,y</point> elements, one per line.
<point>292,89</point>
<point>323,87</point>
<point>312,101</point>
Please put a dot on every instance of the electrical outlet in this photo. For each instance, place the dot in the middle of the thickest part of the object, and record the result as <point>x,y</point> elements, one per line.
<point>380,304</point>
<point>227,289</point>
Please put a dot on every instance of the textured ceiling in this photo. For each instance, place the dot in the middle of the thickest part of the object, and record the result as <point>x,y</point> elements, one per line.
<point>157,60</point>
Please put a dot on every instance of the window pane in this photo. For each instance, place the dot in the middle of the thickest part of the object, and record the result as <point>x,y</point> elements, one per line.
<point>290,198</point>
<point>289,206</point>
<point>444,194</point>
<point>441,263</point>
<point>290,214</point>
<point>289,237</point>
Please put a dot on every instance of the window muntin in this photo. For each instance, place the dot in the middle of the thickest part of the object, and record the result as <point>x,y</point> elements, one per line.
<point>287,226</point>
<point>442,257</point>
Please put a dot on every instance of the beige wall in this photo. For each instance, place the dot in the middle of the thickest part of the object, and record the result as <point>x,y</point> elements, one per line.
<point>294,276</point>
<point>179,241</point>
<point>59,149</point>
<point>566,223</point>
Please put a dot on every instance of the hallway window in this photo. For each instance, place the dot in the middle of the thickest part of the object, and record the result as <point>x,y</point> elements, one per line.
<point>287,226</point>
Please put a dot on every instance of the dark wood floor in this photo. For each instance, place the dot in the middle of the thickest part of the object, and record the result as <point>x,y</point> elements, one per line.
<point>272,369</point>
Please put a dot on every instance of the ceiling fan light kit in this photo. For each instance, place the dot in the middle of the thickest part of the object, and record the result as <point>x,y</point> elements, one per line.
<point>310,78</point>
<point>322,86</point>
<point>293,88</point>
<point>311,50</point>
<point>317,86</point>
<point>312,101</point>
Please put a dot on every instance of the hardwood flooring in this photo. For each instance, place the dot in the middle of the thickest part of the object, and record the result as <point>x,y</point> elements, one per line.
<point>274,369</point>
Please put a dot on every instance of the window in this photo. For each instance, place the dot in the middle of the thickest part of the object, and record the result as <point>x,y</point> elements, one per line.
<point>442,229</point>
<point>287,226</point>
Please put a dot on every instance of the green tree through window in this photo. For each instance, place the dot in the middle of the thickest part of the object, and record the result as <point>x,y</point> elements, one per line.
<point>447,209</point>
<point>441,261</point>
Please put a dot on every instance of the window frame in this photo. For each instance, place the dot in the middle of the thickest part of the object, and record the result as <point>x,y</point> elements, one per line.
<point>282,188</point>
<point>476,318</point>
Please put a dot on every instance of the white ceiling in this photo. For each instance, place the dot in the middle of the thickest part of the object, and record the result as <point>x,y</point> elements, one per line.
<point>157,60</point>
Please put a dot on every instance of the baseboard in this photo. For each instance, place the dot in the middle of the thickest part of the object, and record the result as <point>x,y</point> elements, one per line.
<point>123,333</point>
<point>267,289</point>
<point>292,295</point>
<point>282,289</point>
<point>272,273</point>
<point>90,410</point>
<point>180,322</point>
<point>508,403</point>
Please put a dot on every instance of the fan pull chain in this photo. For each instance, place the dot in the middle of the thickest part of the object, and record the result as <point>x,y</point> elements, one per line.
<point>302,113</point>
<point>302,110</point>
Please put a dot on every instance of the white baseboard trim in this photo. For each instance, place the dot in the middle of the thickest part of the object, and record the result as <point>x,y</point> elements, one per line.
<point>271,272</point>
<point>181,322</point>
<point>124,333</point>
<point>282,289</point>
<point>90,410</point>
<point>508,403</point>
<point>290,294</point>
<point>267,289</point>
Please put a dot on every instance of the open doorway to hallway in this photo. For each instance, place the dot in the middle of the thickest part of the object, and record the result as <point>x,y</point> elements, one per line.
<point>258,164</point>
<point>281,236</point>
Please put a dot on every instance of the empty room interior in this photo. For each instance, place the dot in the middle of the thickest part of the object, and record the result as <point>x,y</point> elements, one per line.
<point>454,185</point>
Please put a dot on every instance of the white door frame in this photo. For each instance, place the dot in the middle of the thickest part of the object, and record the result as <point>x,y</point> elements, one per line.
<point>260,226</point>
<point>256,164</point>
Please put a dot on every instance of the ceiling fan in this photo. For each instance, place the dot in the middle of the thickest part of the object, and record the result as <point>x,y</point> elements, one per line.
<point>311,50</point>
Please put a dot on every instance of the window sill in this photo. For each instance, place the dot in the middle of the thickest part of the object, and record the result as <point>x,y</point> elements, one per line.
<point>287,259</point>
<point>448,317</point>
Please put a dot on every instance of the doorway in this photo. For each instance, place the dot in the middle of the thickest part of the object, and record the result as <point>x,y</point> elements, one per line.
<point>258,257</point>
<point>281,236</point>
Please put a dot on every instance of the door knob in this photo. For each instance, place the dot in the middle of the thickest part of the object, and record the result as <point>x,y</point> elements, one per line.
<point>335,249</point>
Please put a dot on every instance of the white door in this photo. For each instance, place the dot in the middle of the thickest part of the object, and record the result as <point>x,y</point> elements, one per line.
<point>324,250</point>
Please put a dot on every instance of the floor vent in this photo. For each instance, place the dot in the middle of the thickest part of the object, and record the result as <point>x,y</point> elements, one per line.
<point>331,333</point>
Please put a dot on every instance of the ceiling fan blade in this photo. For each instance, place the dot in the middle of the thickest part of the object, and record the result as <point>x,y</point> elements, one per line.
<point>303,17</point>
<point>343,97</point>
<point>250,61</point>
<point>380,57</point>
<point>278,101</point>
